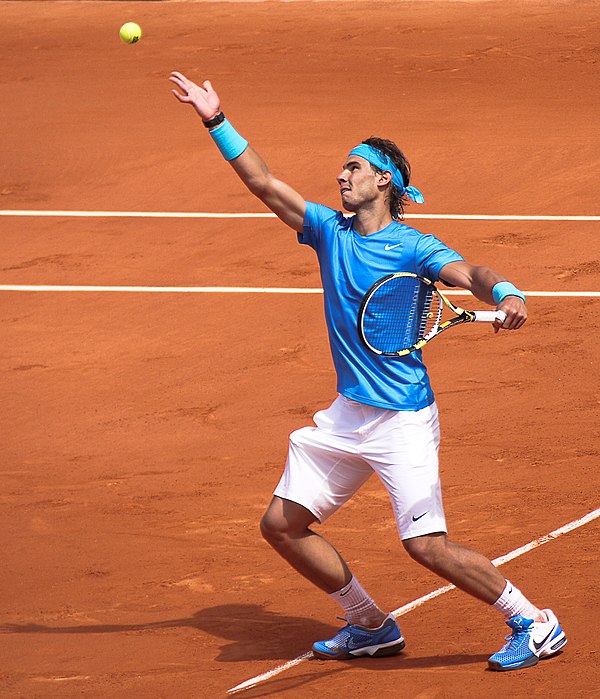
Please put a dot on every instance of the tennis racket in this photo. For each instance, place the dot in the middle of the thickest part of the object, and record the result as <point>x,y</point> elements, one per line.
<point>402,312</point>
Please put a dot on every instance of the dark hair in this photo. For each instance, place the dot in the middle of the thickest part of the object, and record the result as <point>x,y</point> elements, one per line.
<point>397,200</point>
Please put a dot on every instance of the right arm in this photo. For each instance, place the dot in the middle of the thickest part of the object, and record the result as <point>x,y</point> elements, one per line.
<point>279,197</point>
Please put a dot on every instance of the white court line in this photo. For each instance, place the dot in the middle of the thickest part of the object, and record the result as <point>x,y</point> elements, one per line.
<point>131,214</point>
<point>239,290</point>
<point>217,215</point>
<point>165,289</point>
<point>248,684</point>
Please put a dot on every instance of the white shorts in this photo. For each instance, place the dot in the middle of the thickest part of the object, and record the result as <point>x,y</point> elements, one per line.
<point>328,463</point>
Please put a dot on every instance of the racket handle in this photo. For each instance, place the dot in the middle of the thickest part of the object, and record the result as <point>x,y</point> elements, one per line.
<point>490,316</point>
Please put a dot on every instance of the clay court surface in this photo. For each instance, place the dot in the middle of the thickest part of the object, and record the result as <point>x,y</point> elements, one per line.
<point>143,433</point>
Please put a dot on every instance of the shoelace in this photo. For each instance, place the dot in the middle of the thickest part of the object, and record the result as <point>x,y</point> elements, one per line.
<point>343,636</point>
<point>516,637</point>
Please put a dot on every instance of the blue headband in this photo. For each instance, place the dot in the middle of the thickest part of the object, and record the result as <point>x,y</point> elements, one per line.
<point>383,162</point>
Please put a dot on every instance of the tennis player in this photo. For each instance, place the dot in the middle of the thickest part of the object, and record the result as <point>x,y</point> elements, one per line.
<point>384,419</point>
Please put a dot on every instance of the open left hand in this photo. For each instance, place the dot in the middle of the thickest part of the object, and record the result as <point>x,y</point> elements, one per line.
<point>204,99</point>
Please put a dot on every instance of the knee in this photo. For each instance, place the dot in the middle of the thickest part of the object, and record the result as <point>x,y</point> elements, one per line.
<point>427,550</point>
<point>284,521</point>
<point>273,528</point>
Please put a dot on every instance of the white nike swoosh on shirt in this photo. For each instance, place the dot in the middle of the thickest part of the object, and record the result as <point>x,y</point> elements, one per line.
<point>391,247</point>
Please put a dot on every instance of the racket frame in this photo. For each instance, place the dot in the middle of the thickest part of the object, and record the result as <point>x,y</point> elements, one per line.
<point>462,315</point>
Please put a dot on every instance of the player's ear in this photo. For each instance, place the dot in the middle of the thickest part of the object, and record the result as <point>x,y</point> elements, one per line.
<point>384,177</point>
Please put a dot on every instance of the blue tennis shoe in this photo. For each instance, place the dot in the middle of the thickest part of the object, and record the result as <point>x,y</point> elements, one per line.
<point>354,641</point>
<point>528,641</point>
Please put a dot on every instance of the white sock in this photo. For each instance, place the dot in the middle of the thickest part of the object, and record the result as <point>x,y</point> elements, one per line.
<point>358,605</point>
<point>512,602</point>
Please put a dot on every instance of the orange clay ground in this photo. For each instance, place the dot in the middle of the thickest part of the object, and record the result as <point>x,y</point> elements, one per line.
<point>142,434</point>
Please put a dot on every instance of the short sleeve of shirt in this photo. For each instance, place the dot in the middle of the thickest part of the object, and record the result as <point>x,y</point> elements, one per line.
<point>314,229</point>
<point>432,255</point>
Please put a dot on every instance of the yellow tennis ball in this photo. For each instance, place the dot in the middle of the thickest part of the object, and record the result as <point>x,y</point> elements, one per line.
<point>130,32</point>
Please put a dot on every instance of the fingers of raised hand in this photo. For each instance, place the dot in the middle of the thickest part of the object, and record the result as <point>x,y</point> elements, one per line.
<point>183,95</point>
<point>204,99</point>
<point>179,79</point>
<point>180,97</point>
<point>189,88</point>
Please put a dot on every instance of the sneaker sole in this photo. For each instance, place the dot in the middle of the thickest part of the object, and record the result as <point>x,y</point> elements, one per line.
<point>382,651</point>
<point>498,667</point>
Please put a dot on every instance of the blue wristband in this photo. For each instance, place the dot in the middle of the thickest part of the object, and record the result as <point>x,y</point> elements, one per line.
<point>503,289</point>
<point>229,142</point>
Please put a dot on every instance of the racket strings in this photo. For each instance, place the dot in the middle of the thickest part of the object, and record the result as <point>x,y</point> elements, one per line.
<point>400,313</point>
<point>427,315</point>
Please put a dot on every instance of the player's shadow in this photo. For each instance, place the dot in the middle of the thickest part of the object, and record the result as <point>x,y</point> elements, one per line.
<point>254,633</point>
<point>251,632</point>
<point>258,634</point>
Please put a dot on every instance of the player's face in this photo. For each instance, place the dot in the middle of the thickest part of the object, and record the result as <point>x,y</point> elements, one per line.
<point>358,183</point>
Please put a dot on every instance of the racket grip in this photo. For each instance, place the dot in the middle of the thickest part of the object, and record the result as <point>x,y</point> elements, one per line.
<point>490,316</point>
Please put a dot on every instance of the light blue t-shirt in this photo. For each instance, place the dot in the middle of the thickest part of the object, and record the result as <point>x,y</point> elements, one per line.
<point>350,264</point>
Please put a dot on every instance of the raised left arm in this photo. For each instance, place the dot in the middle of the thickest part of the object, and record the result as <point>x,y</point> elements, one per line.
<point>480,281</point>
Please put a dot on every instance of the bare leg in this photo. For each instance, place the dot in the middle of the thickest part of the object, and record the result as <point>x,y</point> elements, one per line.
<point>285,526</point>
<point>468,570</point>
